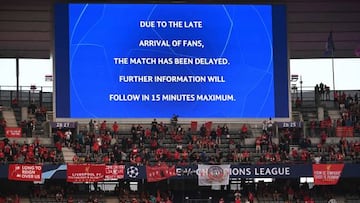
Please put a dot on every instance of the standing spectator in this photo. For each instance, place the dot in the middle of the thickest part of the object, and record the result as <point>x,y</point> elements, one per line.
<point>322,90</point>
<point>174,120</point>
<point>251,197</point>
<point>243,134</point>
<point>68,137</point>
<point>91,126</point>
<point>258,145</point>
<point>213,135</point>
<point>14,103</point>
<point>103,127</point>
<point>202,131</point>
<point>298,102</point>
<point>269,126</point>
<point>218,135</point>
<point>264,126</point>
<point>327,93</point>
<point>226,131</point>
<point>115,128</point>
<point>290,194</point>
<point>323,137</point>
<point>96,127</point>
<point>30,128</point>
<point>154,125</point>
<point>317,94</point>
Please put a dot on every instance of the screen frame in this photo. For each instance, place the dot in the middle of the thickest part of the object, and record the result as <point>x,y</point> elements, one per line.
<point>280,58</point>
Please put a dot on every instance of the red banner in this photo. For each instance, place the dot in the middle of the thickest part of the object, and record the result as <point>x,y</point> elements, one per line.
<point>85,172</point>
<point>25,172</point>
<point>345,131</point>
<point>327,174</point>
<point>114,172</point>
<point>13,132</point>
<point>158,173</point>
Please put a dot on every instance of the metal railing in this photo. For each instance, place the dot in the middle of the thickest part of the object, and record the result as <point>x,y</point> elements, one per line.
<point>41,96</point>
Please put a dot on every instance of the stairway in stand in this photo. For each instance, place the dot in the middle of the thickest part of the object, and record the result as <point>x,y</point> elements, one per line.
<point>68,154</point>
<point>9,117</point>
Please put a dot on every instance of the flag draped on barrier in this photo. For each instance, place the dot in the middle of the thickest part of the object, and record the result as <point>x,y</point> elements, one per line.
<point>327,174</point>
<point>25,172</point>
<point>114,172</point>
<point>213,175</point>
<point>159,172</point>
<point>85,172</point>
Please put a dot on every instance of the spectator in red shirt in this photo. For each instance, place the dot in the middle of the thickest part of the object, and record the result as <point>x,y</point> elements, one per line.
<point>294,154</point>
<point>176,156</point>
<point>290,193</point>
<point>106,159</point>
<point>312,128</point>
<point>103,127</point>
<point>30,156</point>
<point>190,147</point>
<point>277,157</point>
<point>309,200</point>
<point>323,137</point>
<point>2,156</point>
<point>14,103</point>
<point>58,146</point>
<point>243,134</point>
<point>185,155</point>
<point>340,156</point>
<point>251,197</point>
<point>148,133</point>
<point>159,153</point>
<point>52,156</point>
<point>75,159</point>
<point>153,144</point>
<point>246,155</point>
<point>298,102</point>
<point>258,145</point>
<point>304,155</point>
<point>115,128</point>
<point>336,96</point>
<point>37,141</point>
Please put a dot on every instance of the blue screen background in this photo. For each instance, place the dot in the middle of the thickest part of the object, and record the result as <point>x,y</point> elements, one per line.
<point>99,32</point>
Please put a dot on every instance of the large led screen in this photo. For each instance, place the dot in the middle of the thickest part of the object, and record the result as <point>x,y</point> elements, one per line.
<point>156,60</point>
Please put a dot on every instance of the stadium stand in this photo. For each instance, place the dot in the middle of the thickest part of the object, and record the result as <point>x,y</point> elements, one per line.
<point>148,144</point>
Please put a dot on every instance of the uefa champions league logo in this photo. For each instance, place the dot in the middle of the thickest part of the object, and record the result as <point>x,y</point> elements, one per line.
<point>132,172</point>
